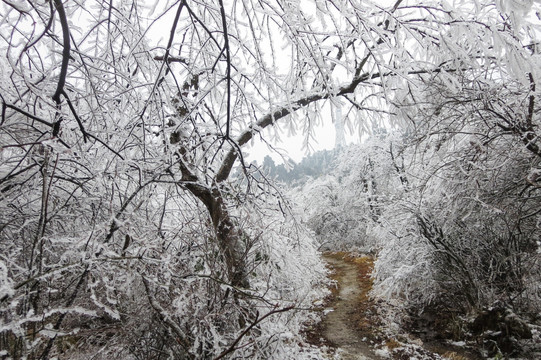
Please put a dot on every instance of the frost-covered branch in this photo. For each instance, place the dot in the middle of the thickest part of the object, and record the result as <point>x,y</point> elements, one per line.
<point>166,318</point>
<point>281,112</point>
<point>250,327</point>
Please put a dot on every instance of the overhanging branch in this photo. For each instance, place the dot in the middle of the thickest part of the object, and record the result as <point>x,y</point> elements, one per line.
<point>65,52</point>
<point>271,118</point>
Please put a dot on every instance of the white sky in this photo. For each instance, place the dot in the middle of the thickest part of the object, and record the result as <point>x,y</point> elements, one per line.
<point>292,146</point>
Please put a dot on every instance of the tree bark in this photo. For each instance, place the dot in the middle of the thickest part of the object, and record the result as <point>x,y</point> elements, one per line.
<point>228,235</point>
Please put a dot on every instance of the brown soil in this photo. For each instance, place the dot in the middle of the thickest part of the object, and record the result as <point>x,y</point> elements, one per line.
<point>351,325</point>
<point>346,326</point>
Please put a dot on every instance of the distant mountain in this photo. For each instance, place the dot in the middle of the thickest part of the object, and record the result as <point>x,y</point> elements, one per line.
<point>313,166</point>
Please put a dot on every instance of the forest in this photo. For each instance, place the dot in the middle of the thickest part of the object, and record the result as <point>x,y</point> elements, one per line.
<point>134,226</point>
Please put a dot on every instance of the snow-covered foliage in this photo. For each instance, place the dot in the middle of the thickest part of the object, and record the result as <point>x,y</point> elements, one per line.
<point>165,291</point>
<point>122,232</point>
<point>469,222</point>
<point>450,201</point>
<point>344,207</point>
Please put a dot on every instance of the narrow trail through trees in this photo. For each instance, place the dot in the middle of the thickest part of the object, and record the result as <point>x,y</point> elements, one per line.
<point>340,326</point>
<point>352,325</point>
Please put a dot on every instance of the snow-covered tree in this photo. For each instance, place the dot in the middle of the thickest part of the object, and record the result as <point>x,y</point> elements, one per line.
<point>465,235</point>
<point>122,121</point>
<point>344,206</point>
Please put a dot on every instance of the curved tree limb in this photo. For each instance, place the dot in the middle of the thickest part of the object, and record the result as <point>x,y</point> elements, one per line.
<point>65,60</point>
<point>272,117</point>
<point>65,53</point>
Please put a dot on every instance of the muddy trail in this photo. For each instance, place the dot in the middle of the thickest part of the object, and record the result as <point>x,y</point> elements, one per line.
<point>352,326</point>
<point>340,327</point>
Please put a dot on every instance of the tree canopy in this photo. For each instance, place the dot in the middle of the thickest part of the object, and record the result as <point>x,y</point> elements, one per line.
<point>122,121</point>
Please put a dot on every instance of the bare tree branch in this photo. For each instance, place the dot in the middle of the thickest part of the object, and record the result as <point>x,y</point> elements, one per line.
<point>170,59</point>
<point>228,67</point>
<point>181,336</point>
<point>74,112</point>
<point>250,327</point>
<point>65,52</point>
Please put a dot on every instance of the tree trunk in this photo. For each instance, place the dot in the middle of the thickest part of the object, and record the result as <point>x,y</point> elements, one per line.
<point>229,239</point>
<point>228,235</point>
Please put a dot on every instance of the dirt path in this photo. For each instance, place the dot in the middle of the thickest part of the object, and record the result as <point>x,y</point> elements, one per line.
<point>351,320</point>
<point>340,326</point>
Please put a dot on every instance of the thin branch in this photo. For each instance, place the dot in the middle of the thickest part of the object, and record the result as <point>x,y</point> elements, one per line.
<point>228,69</point>
<point>3,116</point>
<point>17,8</point>
<point>396,5</point>
<point>210,34</point>
<point>181,337</point>
<point>25,113</point>
<point>165,61</point>
<point>41,121</point>
<point>531,103</point>
<point>173,29</point>
<point>114,225</point>
<point>170,59</point>
<point>64,68</point>
<point>47,28</point>
<point>10,176</point>
<point>65,52</point>
<point>72,108</point>
<point>252,325</point>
